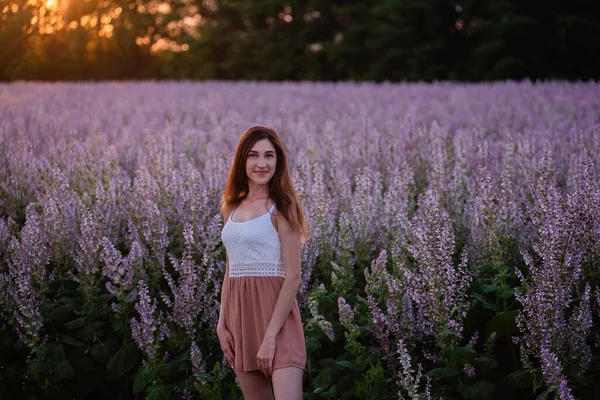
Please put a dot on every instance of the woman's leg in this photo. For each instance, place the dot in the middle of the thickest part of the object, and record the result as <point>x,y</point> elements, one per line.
<point>255,386</point>
<point>287,383</point>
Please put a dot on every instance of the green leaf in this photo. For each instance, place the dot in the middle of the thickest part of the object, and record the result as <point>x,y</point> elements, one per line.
<point>89,331</point>
<point>116,324</point>
<point>442,372</point>
<point>97,304</point>
<point>345,364</point>
<point>326,363</point>
<point>103,298</point>
<point>70,340</point>
<point>164,369</point>
<point>331,393</point>
<point>56,352</point>
<point>64,370</point>
<point>484,301</point>
<point>484,268</point>
<point>76,323</point>
<point>479,390</point>
<point>36,368</point>
<point>507,293</point>
<point>67,300</point>
<point>100,353</point>
<point>503,323</point>
<point>544,395</point>
<point>366,358</point>
<point>141,380</point>
<point>484,363</point>
<point>312,345</point>
<point>462,354</point>
<point>61,313</point>
<point>489,288</point>
<point>158,392</point>
<point>124,360</point>
<point>522,378</point>
<point>216,369</point>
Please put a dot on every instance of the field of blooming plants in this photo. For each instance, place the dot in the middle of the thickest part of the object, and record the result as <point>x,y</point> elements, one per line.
<point>454,247</point>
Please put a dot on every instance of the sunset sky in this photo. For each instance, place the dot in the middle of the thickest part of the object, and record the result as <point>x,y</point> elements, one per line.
<point>103,17</point>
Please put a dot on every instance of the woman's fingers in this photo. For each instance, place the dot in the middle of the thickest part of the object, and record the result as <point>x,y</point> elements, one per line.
<point>226,339</point>
<point>229,356</point>
<point>266,366</point>
<point>270,366</point>
<point>231,347</point>
<point>230,352</point>
<point>261,365</point>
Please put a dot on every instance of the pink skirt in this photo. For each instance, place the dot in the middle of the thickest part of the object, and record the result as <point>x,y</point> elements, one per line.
<point>250,304</point>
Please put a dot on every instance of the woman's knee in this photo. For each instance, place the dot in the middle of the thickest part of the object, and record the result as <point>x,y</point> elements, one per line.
<point>287,383</point>
<point>255,386</point>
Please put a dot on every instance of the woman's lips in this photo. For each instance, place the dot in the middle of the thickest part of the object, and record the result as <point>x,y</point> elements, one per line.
<point>261,173</point>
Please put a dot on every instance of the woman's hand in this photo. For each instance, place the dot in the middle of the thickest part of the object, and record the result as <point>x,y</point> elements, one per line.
<point>265,355</point>
<point>226,341</point>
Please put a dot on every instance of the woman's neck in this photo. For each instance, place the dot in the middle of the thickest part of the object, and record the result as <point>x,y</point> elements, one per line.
<point>257,193</point>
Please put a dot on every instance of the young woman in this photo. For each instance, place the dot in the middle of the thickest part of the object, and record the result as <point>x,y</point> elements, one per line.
<point>259,327</point>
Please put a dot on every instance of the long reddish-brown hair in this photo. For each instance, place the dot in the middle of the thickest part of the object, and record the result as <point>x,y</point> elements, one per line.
<point>281,189</point>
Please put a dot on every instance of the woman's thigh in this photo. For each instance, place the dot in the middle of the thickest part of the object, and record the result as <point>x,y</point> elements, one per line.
<point>255,386</point>
<point>287,383</point>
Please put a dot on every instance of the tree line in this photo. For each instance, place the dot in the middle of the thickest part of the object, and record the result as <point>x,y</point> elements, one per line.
<point>374,40</point>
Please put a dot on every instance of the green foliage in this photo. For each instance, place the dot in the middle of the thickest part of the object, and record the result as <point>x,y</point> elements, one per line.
<point>89,351</point>
<point>384,40</point>
<point>503,324</point>
<point>375,385</point>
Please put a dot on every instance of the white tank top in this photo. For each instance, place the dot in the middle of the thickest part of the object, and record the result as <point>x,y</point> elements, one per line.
<point>253,247</point>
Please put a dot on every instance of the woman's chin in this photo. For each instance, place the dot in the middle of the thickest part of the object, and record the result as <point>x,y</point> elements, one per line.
<point>260,180</point>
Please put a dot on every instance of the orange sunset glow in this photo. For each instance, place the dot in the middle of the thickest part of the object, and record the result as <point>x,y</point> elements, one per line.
<point>104,17</point>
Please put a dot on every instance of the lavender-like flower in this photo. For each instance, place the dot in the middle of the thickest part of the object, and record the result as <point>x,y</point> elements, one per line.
<point>474,339</point>
<point>551,322</point>
<point>4,236</point>
<point>27,277</point>
<point>346,316</point>
<point>408,381</point>
<point>154,230</point>
<point>318,319</point>
<point>437,290</point>
<point>87,252</point>
<point>396,206</point>
<point>309,254</point>
<point>62,210</point>
<point>364,212</point>
<point>188,290</point>
<point>360,156</point>
<point>583,205</point>
<point>109,210</point>
<point>469,370</point>
<point>198,362</point>
<point>120,271</point>
<point>149,330</point>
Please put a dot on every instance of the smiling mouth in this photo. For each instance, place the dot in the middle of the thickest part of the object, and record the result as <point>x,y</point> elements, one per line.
<point>261,172</point>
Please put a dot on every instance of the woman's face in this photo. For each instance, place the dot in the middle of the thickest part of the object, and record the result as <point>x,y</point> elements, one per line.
<point>261,162</point>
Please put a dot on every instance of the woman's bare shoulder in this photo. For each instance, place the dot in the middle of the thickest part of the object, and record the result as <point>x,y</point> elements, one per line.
<point>275,216</point>
<point>226,214</point>
<point>281,222</point>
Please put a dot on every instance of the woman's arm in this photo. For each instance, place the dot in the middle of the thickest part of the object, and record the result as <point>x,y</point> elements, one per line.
<point>225,337</point>
<point>224,288</point>
<point>290,254</point>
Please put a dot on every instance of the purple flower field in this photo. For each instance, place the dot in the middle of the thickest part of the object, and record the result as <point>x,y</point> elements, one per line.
<point>451,226</point>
